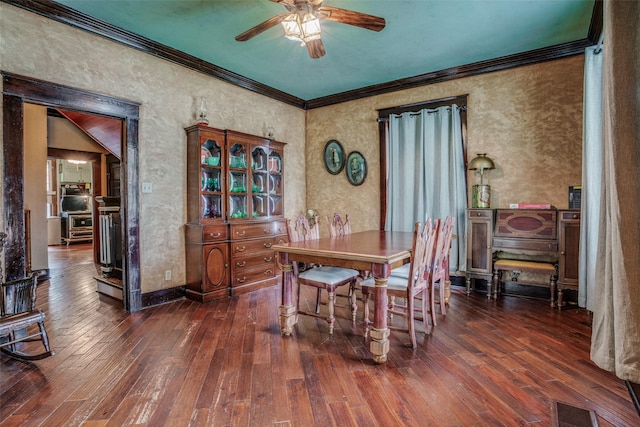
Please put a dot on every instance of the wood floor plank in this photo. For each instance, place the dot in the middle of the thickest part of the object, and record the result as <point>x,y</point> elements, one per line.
<point>300,402</point>
<point>261,402</point>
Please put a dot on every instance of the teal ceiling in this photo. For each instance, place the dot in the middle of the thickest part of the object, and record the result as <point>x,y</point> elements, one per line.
<point>420,37</point>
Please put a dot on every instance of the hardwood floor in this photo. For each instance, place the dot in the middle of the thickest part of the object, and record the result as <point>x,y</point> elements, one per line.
<point>225,363</point>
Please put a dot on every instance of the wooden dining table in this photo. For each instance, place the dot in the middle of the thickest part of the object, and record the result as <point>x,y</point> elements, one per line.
<point>374,251</point>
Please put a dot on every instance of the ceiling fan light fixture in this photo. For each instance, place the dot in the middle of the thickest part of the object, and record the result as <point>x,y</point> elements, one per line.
<point>303,30</point>
<point>292,28</point>
<point>310,28</point>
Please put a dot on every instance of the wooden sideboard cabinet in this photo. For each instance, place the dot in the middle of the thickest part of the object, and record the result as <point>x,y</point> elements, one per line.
<point>235,204</point>
<point>479,258</point>
<point>542,235</point>
<point>569,246</point>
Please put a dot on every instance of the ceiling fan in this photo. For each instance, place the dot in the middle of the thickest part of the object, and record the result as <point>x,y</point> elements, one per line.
<point>301,22</point>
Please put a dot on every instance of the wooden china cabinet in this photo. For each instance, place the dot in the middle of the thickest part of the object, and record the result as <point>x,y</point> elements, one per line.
<point>235,212</point>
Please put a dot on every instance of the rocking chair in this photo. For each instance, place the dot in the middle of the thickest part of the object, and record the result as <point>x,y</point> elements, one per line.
<point>18,314</point>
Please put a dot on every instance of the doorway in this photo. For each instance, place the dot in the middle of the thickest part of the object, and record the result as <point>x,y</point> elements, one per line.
<point>18,90</point>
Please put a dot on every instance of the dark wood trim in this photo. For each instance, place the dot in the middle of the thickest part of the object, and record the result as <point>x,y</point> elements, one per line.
<point>460,100</point>
<point>162,296</point>
<point>20,89</point>
<point>383,136</point>
<point>383,132</point>
<point>74,18</point>
<point>15,249</point>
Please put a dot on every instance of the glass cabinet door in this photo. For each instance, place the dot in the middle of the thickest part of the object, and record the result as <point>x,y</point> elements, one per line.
<point>275,183</point>
<point>238,190</point>
<point>259,183</point>
<point>211,179</point>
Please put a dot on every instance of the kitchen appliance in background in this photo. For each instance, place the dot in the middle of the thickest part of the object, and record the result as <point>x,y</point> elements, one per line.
<point>76,212</point>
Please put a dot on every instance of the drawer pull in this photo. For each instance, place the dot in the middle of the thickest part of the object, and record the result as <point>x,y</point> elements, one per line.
<point>241,233</point>
<point>266,231</point>
<point>268,273</point>
<point>478,213</point>
<point>268,259</point>
<point>241,264</point>
<point>575,216</point>
<point>267,245</point>
<point>214,235</point>
<point>241,248</point>
<point>244,279</point>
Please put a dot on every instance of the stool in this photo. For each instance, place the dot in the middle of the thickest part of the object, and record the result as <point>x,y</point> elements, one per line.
<point>520,266</point>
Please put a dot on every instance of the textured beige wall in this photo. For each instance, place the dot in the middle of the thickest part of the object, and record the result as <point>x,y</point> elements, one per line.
<point>528,120</point>
<point>41,48</point>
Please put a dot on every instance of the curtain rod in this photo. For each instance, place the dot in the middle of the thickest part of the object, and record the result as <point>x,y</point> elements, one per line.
<point>386,119</point>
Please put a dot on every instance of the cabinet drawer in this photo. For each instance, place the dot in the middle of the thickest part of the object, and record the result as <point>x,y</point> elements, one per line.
<point>247,263</point>
<point>570,215</point>
<point>480,213</point>
<point>245,276</point>
<point>250,247</point>
<point>214,233</point>
<point>252,231</point>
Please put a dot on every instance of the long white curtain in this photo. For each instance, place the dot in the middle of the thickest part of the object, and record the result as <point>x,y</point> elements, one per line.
<point>591,174</point>
<point>426,173</point>
<point>615,337</point>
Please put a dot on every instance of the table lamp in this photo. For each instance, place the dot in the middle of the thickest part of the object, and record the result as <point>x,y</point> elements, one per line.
<point>481,193</point>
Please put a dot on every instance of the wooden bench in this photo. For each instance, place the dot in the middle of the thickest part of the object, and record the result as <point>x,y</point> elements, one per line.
<point>520,266</point>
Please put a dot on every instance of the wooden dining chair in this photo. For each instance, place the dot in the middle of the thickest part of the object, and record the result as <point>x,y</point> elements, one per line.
<point>339,228</point>
<point>440,270</point>
<point>415,285</point>
<point>320,277</point>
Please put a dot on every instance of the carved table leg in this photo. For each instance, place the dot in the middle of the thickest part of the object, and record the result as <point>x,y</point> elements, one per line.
<point>379,345</point>
<point>288,314</point>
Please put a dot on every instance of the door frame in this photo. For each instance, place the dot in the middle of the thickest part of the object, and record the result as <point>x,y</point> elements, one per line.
<point>18,90</point>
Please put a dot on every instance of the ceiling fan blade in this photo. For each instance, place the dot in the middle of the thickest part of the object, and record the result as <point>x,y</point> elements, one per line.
<point>315,48</point>
<point>264,26</point>
<point>358,19</point>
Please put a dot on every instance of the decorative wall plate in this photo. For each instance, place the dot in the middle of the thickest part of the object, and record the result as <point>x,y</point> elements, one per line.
<point>356,168</point>
<point>334,157</point>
